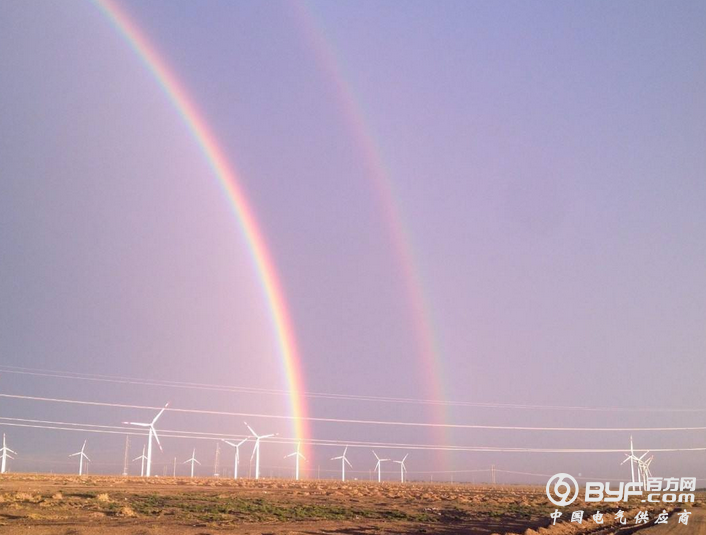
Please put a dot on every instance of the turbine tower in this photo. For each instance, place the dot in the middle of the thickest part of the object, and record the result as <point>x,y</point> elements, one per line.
<point>81,456</point>
<point>142,458</point>
<point>256,449</point>
<point>152,433</point>
<point>378,466</point>
<point>403,468</point>
<point>216,463</point>
<point>632,464</point>
<point>237,454</point>
<point>192,461</point>
<point>344,460</point>
<point>297,455</point>
<point>126,457</point>
<point>5,455</point>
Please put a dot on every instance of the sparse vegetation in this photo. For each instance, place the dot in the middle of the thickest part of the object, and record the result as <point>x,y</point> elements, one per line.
<point>38,504</point>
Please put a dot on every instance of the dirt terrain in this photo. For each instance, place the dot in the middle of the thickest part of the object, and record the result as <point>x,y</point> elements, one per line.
<point>69,505</point>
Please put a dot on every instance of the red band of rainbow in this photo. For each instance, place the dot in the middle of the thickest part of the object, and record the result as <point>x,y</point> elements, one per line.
<point>229,181</point>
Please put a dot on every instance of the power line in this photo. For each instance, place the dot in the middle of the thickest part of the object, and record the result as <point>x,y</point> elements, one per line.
<point>322,395</point>
<point>355,421</point>
<point>95,428</point>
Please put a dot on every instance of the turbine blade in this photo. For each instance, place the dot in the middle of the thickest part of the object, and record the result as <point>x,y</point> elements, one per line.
<point>160,413</point>
<point>12,451</point>
<point>251,430</point>
<point>196,462</point>
<point>229,443</point>
<point>86,456</point>
<point>405,458</point>
<point>137,423</point>
<point>154,432</point>
<point>267,436</point>
<point>75,454</point>
<point>336,458</point>
<point>348,462</point>
<point>242,442</point>
<point>376,455</point>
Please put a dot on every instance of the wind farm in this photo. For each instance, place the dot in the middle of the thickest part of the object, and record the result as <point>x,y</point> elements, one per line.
<point>352,267</point>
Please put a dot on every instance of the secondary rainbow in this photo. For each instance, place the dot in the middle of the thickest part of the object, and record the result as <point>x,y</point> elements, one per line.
<point>228,178</point>
<point>431,373</point>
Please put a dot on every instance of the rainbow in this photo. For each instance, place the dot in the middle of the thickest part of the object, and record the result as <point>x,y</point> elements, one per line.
<point>431,372</point>
<point>228,178</point>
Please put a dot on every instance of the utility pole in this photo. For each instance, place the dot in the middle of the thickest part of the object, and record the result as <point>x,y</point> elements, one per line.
<point>492,473</point>
<point>125,460</point>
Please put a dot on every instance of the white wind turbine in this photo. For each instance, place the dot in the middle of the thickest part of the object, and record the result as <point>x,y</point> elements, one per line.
<point>192,461</point>
<point>142,458</point>
<point>344,460</point>
<point>378,466</point>
<point>640,467</point>
<point>81,456</point>
<point>153,433</point>
<point>297,455</point>
<point>237,454</point>
<point>645,465</point>
<point>5,455</point>
<point>256,449</point>
<point>403,468</point>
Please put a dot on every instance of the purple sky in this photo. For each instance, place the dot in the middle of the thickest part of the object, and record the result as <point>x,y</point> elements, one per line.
<point>547,159</point>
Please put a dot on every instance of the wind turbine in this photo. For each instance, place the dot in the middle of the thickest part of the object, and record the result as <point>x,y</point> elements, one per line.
<point>5,455</point>
<point>192,461</point>
<point>645,465</point>
<point>344,460</point>
<point>640,466</point>
<point>296,456</point>
<point>153,433</point>
<point>378,466</point>
<point>256,449</point>
<point>142,458</point>
<point>403,468</point>
<point>237,454</point>
<point>81,456</point>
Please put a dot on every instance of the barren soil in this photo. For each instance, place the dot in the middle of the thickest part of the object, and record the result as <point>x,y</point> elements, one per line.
<point>68,505</point>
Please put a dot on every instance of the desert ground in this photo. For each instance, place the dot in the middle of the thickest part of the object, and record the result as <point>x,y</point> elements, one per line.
<point>69,505</point>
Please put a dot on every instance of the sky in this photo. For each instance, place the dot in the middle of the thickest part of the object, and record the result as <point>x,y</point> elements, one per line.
<point>531,173</point>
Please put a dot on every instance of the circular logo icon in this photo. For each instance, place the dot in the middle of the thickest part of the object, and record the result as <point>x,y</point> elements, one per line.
<point>560,491</point>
